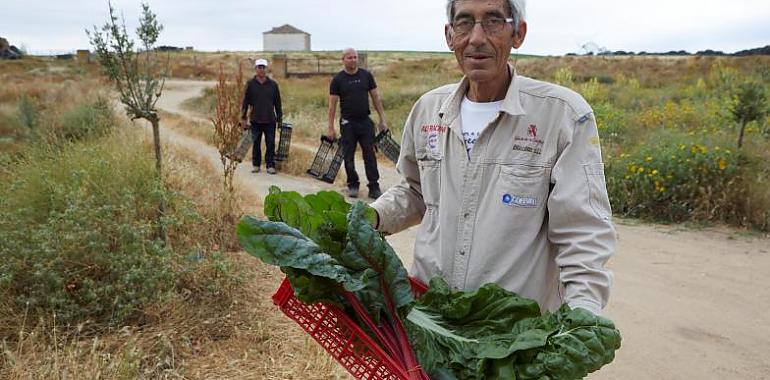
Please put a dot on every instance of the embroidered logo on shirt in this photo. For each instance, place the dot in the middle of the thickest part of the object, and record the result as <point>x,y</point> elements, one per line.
<point>530,143</point>
<point>519,201</point>
<point>432,128</point>
<point>532,131</point>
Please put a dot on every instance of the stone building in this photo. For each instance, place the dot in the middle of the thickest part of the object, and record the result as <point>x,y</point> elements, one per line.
<point>285,38</point>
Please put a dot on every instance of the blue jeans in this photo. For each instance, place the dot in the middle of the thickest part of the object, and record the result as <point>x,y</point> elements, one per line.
<point>257,129</point>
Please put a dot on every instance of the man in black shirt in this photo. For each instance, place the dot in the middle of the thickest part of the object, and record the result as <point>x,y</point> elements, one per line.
<point>264,99</point>
<point>352,88</point>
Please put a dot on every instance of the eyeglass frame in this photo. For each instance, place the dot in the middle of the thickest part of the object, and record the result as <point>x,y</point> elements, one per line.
<point>508,20</point>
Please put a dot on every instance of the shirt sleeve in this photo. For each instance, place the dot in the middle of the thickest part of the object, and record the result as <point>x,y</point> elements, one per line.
<point>580,216</point>
<point>277,102</point>
<point>372,82</point>
<point>402,205</point>
<point>334,87</point>
<point>245,103</point>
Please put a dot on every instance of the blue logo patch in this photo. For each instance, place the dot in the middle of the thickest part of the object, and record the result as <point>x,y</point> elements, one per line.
<point>519,201</point>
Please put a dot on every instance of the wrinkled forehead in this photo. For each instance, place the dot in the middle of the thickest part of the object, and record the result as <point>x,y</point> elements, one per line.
<point>348,54</point>
<point>488,7</point>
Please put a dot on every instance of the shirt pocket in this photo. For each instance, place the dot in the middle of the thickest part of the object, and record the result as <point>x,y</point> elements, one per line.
<point>597,190</point>
<point>430,181</point>
<point>523,187</point>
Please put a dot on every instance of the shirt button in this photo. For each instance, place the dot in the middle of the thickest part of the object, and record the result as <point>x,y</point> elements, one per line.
<point>465,215</point>
<point>462,253</point>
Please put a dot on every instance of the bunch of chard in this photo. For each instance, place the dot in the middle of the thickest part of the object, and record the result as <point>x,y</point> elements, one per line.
<point>330,253</point>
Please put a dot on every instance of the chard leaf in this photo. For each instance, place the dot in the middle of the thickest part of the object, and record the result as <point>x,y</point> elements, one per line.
<point>495,334</point>
<point>583,343</point>
<point>284,246</point>
<point>366,248</point>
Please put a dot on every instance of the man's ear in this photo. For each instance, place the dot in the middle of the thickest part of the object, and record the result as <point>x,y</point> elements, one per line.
<point>448,35</point>
<point>519,34</point>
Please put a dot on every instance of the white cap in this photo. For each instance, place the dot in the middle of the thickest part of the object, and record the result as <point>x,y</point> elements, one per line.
<point>260,62</point>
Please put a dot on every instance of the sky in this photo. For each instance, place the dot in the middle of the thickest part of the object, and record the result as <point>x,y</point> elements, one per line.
<point>555,27</point>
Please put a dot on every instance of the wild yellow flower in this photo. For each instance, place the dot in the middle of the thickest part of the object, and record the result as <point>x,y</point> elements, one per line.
<point>655,172</point>
<point>693,149</point>
<point>648,158</point>
<point>722,164</point>
<point>703,149</point>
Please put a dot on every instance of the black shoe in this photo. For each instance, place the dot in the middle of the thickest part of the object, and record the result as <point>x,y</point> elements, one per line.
<point>375,193</point>
<point>353,192</point>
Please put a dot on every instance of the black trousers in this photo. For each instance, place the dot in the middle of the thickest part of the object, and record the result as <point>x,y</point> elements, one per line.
<point>257,129</point>
<point>359,132</point>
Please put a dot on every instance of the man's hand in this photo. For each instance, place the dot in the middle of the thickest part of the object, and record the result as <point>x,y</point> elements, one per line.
<point>383,126</point>
<point>331,134</point>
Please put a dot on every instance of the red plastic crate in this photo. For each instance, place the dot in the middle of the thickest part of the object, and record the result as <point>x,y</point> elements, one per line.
<point>358,353</point>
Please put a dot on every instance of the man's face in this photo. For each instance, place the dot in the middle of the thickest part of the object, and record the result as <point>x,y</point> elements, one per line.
<point>482,55</point>
<point>350,60</point>
<point>261,71</point>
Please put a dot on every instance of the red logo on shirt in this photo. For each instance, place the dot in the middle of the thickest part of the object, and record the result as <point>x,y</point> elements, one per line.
<point>532,131</point>
<point>428,128</point>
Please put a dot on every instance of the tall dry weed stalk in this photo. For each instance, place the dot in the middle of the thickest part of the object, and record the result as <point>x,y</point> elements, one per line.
<point>227,133</point>
<point>227,122</point>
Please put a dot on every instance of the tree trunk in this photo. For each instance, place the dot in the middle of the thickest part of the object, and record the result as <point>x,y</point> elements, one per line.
<point>740,135</point>
<point>161,228</point>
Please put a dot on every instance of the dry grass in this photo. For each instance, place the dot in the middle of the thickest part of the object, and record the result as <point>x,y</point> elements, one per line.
<point>201,130</point>
<point>249,339</point>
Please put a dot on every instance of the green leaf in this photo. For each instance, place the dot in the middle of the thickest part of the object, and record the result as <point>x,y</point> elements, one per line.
<point>284,246</point>
<point>492,333</point>
<point>366,248</point>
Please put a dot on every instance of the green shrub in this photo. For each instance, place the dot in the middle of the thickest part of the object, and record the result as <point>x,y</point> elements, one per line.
<point>86,120</point>
<point>76,234</point>
<point>675,180</point>
<point>29,113</point>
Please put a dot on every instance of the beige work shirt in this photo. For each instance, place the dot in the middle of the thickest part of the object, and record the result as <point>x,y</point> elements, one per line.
<point>527,210</point>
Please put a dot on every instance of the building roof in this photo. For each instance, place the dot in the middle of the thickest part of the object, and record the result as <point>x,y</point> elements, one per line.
<point>285,29</point>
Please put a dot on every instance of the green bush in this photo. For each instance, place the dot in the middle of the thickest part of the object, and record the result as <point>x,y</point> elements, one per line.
<point>675,180</point>
<point>86,120</point>
<point>29,113</point>
<point>76,234</point>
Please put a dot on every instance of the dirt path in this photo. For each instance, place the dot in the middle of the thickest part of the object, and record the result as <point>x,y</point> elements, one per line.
<point>689,304</point>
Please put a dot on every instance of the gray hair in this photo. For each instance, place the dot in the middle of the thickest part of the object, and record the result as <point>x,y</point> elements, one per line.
<point>517,8</point>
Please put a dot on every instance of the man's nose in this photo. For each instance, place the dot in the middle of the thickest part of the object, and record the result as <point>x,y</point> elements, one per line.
<point>478,35</point>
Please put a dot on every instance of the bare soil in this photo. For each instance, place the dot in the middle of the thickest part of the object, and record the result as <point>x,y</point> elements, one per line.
<point>690,303</point>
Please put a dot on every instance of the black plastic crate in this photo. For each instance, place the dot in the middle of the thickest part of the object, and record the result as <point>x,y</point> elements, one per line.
<point>284,141</point>
<point>389,147</point>
<point>327,160</point>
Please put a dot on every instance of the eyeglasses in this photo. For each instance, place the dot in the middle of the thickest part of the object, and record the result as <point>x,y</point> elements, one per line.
<point>491,25</point>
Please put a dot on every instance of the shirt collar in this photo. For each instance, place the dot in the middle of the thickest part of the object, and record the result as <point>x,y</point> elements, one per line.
<point>511,105</point>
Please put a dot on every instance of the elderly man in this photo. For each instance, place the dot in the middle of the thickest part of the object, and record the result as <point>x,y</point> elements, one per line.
<point>263,97</point>
<point>352,87</point>
<point>503,173</point>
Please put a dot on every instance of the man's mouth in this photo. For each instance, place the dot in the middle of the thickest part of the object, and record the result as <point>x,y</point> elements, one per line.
<point>478,57</point>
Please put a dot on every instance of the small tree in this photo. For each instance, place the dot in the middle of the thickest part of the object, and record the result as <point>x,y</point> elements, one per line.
<point>749,105</point>
<point>138,75</point>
